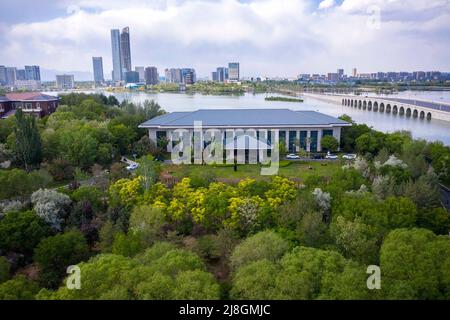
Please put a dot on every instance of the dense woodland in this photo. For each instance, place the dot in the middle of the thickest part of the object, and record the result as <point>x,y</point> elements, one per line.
<point>65,199</point>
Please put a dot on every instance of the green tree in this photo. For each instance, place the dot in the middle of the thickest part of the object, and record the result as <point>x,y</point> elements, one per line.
<point>415,264</point>
<point>19,288</point>
<point>4,269</point>
<point>27,145</point>
<point>127,245</point>
<point>22,231</point>
<point>55,254</point>
<point>148,221</point>
<point>329,143</point>
<point>263,245</point>
<point>195,285</point>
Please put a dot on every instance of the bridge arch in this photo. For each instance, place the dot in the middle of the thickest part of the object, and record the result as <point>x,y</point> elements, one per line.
<point>388,108</point>
<point>351,103</point>
<point>429,116</point>
<point>395,109</point>
<point>415,113</point>
<point>369,106</point>
<point>343,101</point>
<point>408,112</point>
<point>359,104</point>
<point>364,105</point>
<point>375,106</point>
<point>422,115</point>
<point>382,107</point>
<point>402,111</point>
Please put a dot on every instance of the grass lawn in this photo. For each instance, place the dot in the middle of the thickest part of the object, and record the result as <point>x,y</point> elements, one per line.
<point>294,169</point>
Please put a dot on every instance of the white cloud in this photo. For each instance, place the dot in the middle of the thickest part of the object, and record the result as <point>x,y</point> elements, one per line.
<point>268,37</point>
<point>325,4</point>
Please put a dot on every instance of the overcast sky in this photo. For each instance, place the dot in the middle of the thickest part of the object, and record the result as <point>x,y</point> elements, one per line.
<point>268,37</point>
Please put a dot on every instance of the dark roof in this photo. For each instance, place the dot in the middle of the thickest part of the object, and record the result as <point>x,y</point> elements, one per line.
<point>3,99</point>
<point>29,96</point>
<point>243,117</point>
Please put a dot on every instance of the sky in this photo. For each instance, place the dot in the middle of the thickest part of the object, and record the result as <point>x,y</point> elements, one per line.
<point>268,37</point>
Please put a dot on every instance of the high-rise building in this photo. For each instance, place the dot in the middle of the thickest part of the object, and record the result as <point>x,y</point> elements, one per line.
<point>173,75</point>
<point>214,76</point>
<point>340,73</point>
<point>222,74</point>
<point>97,65</point>
<point>11,75</point>
<point>20,75</point>
<point>131,77</point>
<point>151,75</point>
<point>233,71</point>
<point>32,73</point>
<point>355,72</point>
<point>65,81</point>
<point>141,71</point>
<point>188,76</point>
<point>125,49</point>
<point>3,77</point>
<point>116,55</point>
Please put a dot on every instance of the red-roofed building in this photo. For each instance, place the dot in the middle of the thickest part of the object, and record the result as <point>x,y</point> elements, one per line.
<point>35,103</point>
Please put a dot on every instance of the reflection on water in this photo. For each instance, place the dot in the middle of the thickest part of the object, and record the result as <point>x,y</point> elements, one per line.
<point>420,128</point>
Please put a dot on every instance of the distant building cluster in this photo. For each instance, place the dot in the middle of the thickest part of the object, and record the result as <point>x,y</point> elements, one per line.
<point>230,74</point>
<point>180,75</point>
<point>28,78</point>
<point>340,76</point>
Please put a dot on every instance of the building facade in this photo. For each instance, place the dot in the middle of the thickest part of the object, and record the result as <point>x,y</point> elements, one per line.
<point>151,76</point>
<point>97,65</point>
<point>125,49</point>
<point>131,77</point>
<point>116,55</point>
<point>32,73</point>
<point>65,81</point>
<point>34,103</point>
<point>233,71</point>
<point>250,128</point>
<point>141,71</point>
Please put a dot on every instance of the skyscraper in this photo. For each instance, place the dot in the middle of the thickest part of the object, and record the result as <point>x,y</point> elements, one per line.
<point>151,75</point>
<point>222,74</point>
<point>97,64</point>
<point>340,73</point>
<point>141,71</point>
<point>355,73</point>
<point>3,77</point>
<point>32,73</point>
<point>11,76</point>
<point>20,75</point>
<point>65,81</point>
<point>116,55</point>
<point>125,49</point>
<point>233,71</point>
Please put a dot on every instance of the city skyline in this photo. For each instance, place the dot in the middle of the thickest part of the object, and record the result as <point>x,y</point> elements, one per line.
<point>275,39</point>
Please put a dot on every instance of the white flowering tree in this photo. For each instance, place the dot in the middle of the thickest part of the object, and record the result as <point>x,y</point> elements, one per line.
<point>51,206</point>
<point>323,199</point>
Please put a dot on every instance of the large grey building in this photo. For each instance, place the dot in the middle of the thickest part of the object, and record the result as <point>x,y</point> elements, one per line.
<point>248,127</point>
<point>116,55</point>
<point>125,49</point>
<point>97,65</point>
<point>3,76</point>
<point>11,76</point>
<point>65,81</point>
<point>32,73</point>
<point>151,75</point>
<point>233,71</point>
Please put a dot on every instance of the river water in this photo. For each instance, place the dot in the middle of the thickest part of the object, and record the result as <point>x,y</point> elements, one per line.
<point>420,128</point>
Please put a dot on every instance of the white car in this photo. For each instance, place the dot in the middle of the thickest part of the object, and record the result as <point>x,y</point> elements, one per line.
<point>292,156</point>
<point>132,166</point>
<point>331,156</point>
<point>349,156</point>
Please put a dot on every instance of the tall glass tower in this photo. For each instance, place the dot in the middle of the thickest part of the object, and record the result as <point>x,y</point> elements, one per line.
<point>97,63</point>
<point>116,55</point>
<point>125,49</point>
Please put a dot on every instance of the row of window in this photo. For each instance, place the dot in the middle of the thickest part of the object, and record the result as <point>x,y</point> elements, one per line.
<point>314,137</point>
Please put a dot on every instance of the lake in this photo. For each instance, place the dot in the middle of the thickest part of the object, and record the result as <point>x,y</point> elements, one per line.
<point>420,128</point>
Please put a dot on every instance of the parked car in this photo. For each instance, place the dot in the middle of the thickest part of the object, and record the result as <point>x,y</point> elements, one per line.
<point>317,156</point>
<point>349,156</point>
<point>132,166</point>
<point>331,156</point>
<point>292,156</point>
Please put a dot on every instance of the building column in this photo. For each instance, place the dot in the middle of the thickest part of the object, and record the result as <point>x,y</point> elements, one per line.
<point>319,137</point>
<point>152,135</point>
<point>169,139</point>
<point>337,135</point>
<point>297,137</point>
<point>308,141</point>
